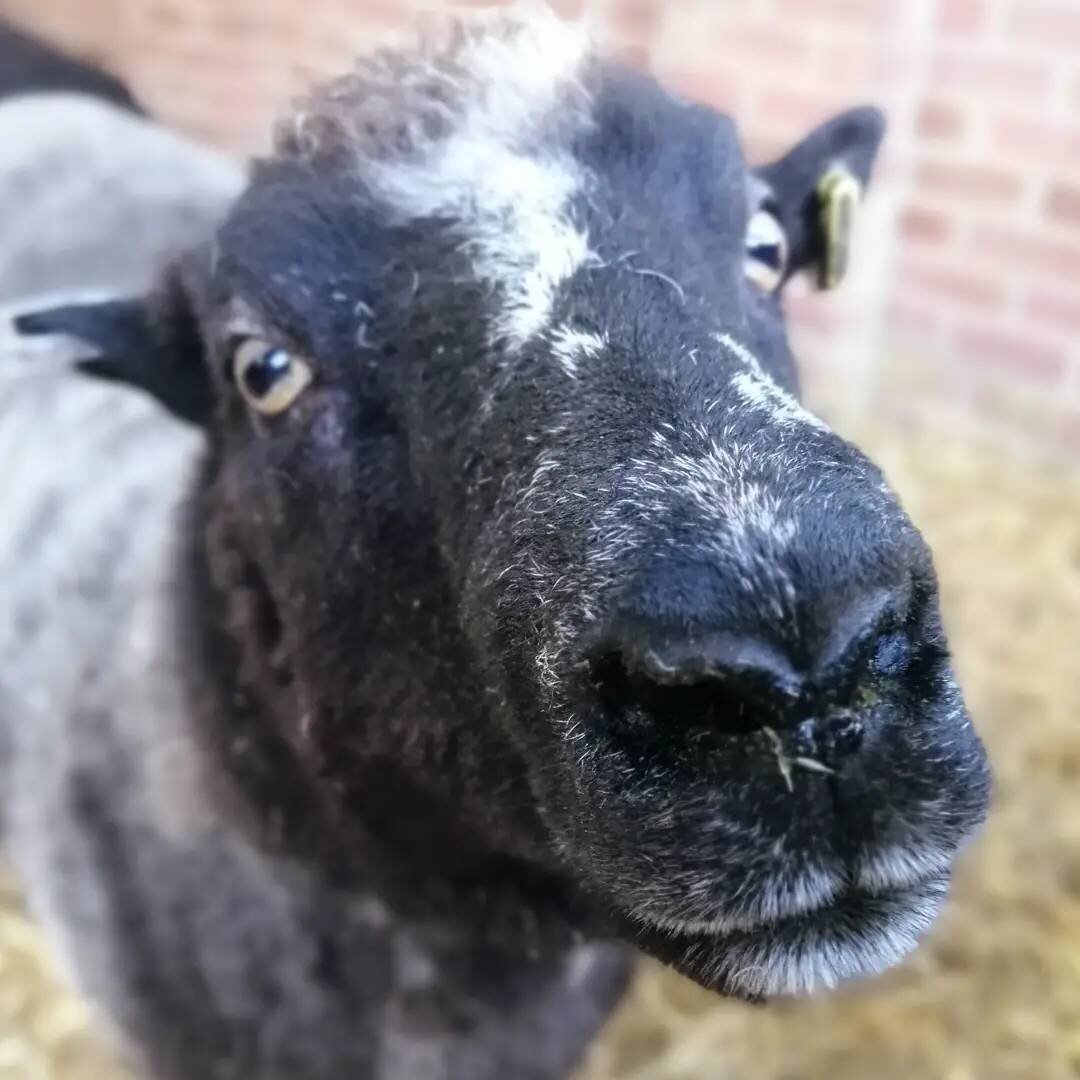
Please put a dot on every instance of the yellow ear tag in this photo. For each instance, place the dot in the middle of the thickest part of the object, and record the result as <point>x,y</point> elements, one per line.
<point>838,192</point>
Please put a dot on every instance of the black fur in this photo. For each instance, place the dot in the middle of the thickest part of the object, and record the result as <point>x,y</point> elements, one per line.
<point>29,66</point>
<point>417,651</point>
<point>154,345</point>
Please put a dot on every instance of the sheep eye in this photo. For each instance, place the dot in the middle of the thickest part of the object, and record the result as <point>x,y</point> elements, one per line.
<point>269,377</point>
<point>766,251</point>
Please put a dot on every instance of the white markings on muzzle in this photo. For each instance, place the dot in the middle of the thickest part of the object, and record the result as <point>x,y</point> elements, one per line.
<point>778,404</point>
<point>895,867</point>
<point>762,953</point>
<point>758,390</point>
<point>547,491</point>
<point>780,898</point>
<point>822,956</point>
<point>716,482</point>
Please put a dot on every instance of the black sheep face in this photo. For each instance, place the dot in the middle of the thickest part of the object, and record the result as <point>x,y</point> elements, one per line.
<point>510,318</point>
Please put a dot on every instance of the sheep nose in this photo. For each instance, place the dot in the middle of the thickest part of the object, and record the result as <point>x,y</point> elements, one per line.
<point>722,681</point>
<point>738,681</point>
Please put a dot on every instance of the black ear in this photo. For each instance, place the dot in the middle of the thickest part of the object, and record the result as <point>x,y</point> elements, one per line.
<point>152,343</point>
<point>817,185</point>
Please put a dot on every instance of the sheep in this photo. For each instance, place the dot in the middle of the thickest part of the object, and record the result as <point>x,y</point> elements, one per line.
<point>77,173</point>
<point>30,66</point>
<point>499,612</point>
<point>82,165</point>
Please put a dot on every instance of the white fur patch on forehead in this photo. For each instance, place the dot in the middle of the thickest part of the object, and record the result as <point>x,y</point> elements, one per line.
<point>503,69</point>
<point>471,126</point>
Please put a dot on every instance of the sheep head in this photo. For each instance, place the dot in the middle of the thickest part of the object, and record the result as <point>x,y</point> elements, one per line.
<point>492,359</point>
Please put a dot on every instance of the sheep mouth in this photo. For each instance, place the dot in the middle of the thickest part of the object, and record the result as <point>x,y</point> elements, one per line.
<point>858,933</point>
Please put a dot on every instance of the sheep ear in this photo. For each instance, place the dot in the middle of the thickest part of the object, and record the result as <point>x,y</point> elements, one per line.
<point>817,187</point>
<point>152,343</point>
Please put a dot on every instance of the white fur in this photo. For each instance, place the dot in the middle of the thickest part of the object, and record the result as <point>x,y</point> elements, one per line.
<point>570,345</point>
<point>741,353</point>
<point>895,867</point>
<point>780,899</point>
<point>827,956</point>
<point>750,526</point>
<point>781,407</point>
<point>758,390</point>
<point>509,210</point>
<point>453,129</point>
<point>715,481</point>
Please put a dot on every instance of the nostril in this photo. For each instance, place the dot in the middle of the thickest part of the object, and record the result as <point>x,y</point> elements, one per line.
<point>722,683</point>
<point>864,634</point>
<point>717,657</point>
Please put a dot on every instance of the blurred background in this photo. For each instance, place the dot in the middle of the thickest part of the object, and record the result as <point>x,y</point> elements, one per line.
<point>952,354</point>
<point>966,304</point>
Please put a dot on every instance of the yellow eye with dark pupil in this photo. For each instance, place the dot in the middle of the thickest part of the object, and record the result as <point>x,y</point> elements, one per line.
<point>261,375</point>
<point>269,377</point>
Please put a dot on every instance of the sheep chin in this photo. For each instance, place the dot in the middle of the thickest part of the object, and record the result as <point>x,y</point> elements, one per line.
<point>858,934</point>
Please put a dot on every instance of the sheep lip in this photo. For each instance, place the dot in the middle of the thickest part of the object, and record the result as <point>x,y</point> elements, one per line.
<point>857,933</point>
<point>722,925</point>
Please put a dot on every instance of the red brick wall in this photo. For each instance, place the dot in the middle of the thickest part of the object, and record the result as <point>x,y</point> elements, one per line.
<point>965,307</point>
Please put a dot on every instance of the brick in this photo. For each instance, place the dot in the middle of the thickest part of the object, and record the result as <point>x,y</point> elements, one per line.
<point>761,40</point>
<point>635,22</point>
<point>876,14</point>
<point>1062,206</point>
<point>940,120</point>
<point>852,65</point>
<point>569,9</point>
<point>1055,26</point>
<point>1040,142</point>
<point>796,111</point>
<point>969,182</point>
<point>1055,310</point>
<point>965,17</point>
<point>712,86</point>
<point>634,55</point>
<point>998,74</point>
<point>812,313</point>
<point>761,147</point>
<point>910,319</point>
<point>169,16</point>
<point>1010,350</point>
<point>890,167</point>
<point>921,225</point>
<point>966,286</point>
<point>1016,249</point>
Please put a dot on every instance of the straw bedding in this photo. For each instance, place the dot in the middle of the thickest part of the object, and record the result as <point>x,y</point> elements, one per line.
<point>996,992</point>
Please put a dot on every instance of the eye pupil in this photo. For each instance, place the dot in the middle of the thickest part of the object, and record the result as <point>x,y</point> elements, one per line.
<point>261,375</point>
<point>771,255</point>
